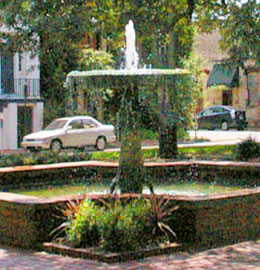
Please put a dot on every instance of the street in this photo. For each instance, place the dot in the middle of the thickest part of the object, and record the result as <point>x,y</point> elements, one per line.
<point>221,136</point>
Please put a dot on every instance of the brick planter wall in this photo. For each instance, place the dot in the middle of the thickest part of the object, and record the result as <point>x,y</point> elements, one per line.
<point>201,221</point>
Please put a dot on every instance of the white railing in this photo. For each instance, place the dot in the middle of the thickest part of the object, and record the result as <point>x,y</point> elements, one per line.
<point>29,88</point>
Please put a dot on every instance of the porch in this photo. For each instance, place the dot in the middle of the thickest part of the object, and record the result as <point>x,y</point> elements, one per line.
<point>20,89</point>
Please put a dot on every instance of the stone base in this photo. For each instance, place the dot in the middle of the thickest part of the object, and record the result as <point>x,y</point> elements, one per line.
<point>107,257</point>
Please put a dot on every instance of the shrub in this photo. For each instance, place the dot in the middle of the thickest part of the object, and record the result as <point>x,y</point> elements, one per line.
<point>29,160</point>
<point>77,156</point>
<point>43,157</point>
<point>118,226</point>
<point>124,227</point>
<point>82,229</point>
<point>247,149</point>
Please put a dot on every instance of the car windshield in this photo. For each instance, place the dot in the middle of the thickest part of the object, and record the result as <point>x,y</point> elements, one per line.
<point>57,124</point>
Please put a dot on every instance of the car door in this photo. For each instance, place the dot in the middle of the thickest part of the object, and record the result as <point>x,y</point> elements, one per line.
<point>216,117</point>
<point>90,132</point>
<point>205,118</point>
<point>75,134</point>
<point>219,115</point>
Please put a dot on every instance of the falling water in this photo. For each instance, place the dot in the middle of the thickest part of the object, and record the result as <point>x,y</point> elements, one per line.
<point>131,55</point>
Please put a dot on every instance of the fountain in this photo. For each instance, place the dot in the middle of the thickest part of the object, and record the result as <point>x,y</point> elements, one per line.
<point>131,55</point>
<point>130,82</point>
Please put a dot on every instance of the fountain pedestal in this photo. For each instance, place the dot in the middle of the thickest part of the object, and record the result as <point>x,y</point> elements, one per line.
<point>157,86</point>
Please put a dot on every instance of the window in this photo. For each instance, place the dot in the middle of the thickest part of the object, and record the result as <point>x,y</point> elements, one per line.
<point>219,110</point>
<point>227,97</point>
<point>207,112</point>
<point>6,74</point>
<point>19,62</point>
<point>76,124</point>
<point>87,123</point>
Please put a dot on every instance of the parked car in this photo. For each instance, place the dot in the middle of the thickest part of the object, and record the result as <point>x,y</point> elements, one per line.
<point>223,117</point>
<point>71,132</point>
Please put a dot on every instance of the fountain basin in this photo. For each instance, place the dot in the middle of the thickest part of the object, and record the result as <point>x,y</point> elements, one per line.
<point>200,221</point>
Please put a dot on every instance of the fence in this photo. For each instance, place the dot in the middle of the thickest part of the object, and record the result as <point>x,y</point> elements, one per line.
<point>19,86</point>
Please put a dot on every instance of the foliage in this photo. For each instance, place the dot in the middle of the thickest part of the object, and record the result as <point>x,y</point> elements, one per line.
<point>160,216</point>
<point>124,227</point>
<point>117,226</point>
<point>56,32</point>
<point>209,152</point>
<point>91,59</point>
<point>239,25</point>
<point>82,225</point>
<point>148,134</point>
<point>96,98</point>
<point>247,149</point>
<point>153,22</point>
<point>44,157</point>
<point>106,156</point>
<point>52,30</point>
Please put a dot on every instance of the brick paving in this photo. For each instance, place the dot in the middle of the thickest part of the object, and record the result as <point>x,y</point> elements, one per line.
<point>241,256</point>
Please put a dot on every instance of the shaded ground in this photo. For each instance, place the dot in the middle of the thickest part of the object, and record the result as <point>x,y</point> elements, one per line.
<point>242,256</point>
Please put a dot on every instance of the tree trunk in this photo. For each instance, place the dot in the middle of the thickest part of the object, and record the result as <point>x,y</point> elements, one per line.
<point>168,142</point>
<point>167,127</point>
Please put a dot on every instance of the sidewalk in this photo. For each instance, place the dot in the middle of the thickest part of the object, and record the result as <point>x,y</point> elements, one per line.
<point>242,256</point>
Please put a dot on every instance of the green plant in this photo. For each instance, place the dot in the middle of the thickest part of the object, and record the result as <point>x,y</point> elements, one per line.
<point>247,149</point>
<point>68,213</point>
<point>43,157</point>
<point>81,228</point>
<point>124,226</point>
<point>29,160</point>
<point>159,217</point>
<point>64,157</point>
<point>148,134</point>
<point>11,159</point>
<point>78,156</point>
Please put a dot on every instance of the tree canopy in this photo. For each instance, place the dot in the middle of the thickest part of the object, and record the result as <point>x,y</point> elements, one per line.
<point>239,25</point>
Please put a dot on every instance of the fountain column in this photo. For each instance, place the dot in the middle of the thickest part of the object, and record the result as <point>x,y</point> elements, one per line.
<point>131,164</point>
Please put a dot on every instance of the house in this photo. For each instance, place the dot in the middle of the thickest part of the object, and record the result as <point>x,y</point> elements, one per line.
<point>21,106</point>
<point>227,84</point>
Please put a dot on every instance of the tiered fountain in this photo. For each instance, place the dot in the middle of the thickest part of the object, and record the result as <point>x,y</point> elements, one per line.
<point>130,82</point>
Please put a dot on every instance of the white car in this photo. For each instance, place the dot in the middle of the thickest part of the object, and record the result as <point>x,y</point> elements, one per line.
<point>70,132</point>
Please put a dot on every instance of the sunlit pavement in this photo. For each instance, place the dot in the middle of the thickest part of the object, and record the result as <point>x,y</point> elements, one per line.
<point>242,256</point>
<point>221,136</point>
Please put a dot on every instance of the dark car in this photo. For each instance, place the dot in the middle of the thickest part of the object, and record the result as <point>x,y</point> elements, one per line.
<point>223,117</point>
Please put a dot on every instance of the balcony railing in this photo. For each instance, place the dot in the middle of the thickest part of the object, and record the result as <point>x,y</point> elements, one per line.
<point>32,87</point>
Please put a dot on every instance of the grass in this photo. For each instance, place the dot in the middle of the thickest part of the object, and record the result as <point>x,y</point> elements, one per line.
<point>219,152</point>
<point>180,188</point>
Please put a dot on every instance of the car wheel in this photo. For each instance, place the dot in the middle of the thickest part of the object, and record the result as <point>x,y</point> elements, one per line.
<point>56,146</point>
<point>224,125</point>
<point>101,143</point>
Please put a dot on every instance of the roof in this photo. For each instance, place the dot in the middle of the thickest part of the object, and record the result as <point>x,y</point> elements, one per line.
<point>74,117</point>
<point>224,74</point>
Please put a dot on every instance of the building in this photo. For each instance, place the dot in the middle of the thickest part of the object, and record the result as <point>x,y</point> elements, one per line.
<point>227,84</point>
<point>21,106</point>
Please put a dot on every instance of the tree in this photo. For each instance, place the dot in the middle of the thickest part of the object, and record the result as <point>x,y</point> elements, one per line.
<point>154,22</point>
<point>239,25</point>
<point>53,30</point>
